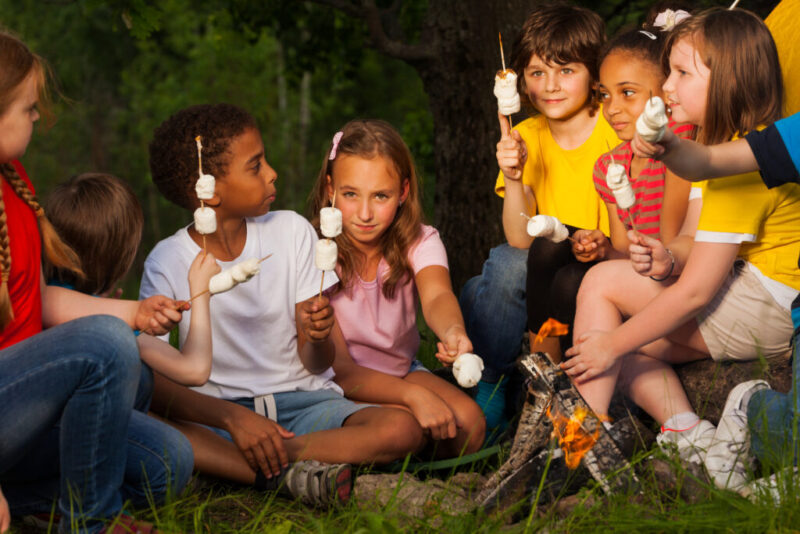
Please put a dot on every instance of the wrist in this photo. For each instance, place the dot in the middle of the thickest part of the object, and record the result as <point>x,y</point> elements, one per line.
<point>668,272</point>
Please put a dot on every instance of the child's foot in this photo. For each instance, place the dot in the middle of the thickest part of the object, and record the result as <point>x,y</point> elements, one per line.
<point>318,484</point>
<point>774,487</point>
<point>492,400</point>
<point>692,443</point>
<point>729,460</point>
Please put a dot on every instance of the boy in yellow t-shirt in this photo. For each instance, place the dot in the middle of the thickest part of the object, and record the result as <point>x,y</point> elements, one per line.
<point>546,168</point>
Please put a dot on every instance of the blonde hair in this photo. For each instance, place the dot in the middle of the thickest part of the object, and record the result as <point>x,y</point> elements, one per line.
<point>745,86</point>
<point>368,139</point>
<point>17,62</point>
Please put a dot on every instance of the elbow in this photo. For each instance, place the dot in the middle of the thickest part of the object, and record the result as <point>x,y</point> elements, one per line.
<point>521,242</point>
<point>198,377</point>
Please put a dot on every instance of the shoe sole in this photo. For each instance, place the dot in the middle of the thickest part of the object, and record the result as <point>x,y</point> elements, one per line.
<point>343,485</point>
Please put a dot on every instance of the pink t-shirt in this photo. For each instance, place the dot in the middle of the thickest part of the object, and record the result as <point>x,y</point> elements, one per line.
<point>381,333</point>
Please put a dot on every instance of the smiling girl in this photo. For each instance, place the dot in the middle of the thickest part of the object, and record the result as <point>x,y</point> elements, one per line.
<point>727,298</point>
<point>387,259</point>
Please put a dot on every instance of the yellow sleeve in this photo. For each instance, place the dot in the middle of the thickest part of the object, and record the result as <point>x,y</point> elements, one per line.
<point>736,204</point>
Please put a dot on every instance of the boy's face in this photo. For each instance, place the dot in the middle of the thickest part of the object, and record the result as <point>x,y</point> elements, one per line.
<point>248,188</point>
<point>557,91</point>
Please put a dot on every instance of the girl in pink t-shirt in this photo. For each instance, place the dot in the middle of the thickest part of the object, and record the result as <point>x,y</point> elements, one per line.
<point>388,258</point>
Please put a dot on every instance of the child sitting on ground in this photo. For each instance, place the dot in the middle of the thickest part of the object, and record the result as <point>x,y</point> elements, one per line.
<point>732,297</point>
<point>388,257</point>
<point>545,168</point>
<point>273,347</point>
<point>99,216</point>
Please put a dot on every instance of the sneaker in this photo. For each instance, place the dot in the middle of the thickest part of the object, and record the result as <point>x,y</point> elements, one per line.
<point>773,487</point>
<point>319,484</point>
<point>691,443</point>
<point>729,460</point>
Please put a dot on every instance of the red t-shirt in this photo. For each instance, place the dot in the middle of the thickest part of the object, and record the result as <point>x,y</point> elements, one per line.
<point>24,284</point>
<point>648,186</point>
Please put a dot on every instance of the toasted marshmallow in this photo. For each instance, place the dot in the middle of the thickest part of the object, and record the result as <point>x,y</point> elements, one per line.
<point>205,220</point>
<point>330,222</point>
<point>652,123</point>
<point>617,180</point>
<point>205,186</point>
<point>245,270</point>
<point>505,89</point>
<point>467,369</point>
<point>548,227</point>
<point>325,254</point>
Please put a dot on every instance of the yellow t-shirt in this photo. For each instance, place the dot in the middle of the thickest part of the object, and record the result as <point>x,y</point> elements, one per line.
<point>740,209</point>
<point>561,180</point>
<point>782,23</point>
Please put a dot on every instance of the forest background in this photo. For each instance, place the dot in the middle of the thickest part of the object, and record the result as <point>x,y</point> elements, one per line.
<point>303,68</point>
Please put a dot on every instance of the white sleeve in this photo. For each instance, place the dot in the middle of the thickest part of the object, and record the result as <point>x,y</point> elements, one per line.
<point>308,276</point>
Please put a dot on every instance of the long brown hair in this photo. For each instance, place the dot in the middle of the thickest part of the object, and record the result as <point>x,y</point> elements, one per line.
<point>99,216</point>
<point>745,87</point>
<point>17,62</point>
<point>368,139</point>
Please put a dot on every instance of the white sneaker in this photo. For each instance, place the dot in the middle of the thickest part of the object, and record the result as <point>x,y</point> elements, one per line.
<point>772,487</point>
<point>729,460</point>
<point>692,443</point>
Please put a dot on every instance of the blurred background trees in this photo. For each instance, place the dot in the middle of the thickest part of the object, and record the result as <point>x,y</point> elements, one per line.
<point>303,68</point>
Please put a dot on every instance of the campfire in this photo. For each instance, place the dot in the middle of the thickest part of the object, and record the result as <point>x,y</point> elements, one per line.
<point>572,438</point>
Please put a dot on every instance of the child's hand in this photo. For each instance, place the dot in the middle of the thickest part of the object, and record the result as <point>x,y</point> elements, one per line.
<point>316,319</point>
<point>512,152</point>
<point>5,514</point>
<point>202,269</point>
<point>589,245</point>
<point>158,314</point>
<point>645,149</point>
<point>432,413</point>
<point>261,441</point>
<point>453,344</point>
<point>590,356</point>
<point>649,257</point>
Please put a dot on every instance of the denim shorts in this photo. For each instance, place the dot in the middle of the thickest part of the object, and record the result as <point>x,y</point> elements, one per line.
<point>417,365</point>
<point>303,412</point>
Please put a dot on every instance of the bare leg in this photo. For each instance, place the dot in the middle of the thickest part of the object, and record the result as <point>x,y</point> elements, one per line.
<point>470,423</point>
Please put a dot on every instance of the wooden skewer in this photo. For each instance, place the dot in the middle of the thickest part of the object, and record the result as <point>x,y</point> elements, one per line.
<point>207,290</point>
<point>502,56</point>
<point>333,200</point>
<point>321,282</point>
<point>529,218</point>
<point>630,218</point>
<point>735,2</point>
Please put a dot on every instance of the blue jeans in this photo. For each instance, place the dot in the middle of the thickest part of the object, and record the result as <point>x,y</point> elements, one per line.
<point>495,313</point>
<point>68,428</point>
<point>773,419</point>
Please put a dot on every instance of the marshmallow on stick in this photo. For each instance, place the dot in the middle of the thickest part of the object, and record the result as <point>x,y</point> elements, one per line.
<point>205,220</point>
<point>548,227</point>
<point>617,180</point>
<point>330,221</point>
<point>652,123</point>
<point>505,89</point>
<point>325,254</point>
<point>467,369</point>
<point>205,186</point>
<point>230,278</point>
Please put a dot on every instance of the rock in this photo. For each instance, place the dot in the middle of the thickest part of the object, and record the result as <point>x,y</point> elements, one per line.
<point>417,499</point>
<point>564,507</point>
<point>707,383</point>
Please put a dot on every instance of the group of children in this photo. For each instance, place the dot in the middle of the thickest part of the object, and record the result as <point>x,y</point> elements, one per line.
<point>286,380</point>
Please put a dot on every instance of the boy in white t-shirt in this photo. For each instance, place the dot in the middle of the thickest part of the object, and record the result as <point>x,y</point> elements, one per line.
<point>272,340</point>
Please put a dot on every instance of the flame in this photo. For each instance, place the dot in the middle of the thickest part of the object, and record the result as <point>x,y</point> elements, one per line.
<point>549,328</point>
<point>572,438</point>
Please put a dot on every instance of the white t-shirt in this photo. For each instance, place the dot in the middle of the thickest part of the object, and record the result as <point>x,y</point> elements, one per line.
<point>254,333</point>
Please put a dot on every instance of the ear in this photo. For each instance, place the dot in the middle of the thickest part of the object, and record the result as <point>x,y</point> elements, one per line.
<point>405,188</point>
<point>213,202</point>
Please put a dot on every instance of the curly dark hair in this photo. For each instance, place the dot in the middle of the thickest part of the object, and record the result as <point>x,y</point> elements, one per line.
<point>173,151</point>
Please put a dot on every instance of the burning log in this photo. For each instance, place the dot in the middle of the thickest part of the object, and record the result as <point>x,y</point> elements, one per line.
<point>555,408</point>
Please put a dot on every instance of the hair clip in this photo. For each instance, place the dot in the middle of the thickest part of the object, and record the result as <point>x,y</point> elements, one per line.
<point>336,138</point>
<point>666,20</point>
<point>648,34</point>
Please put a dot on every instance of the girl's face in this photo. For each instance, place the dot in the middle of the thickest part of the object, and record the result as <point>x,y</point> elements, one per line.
<point>626,83</point>
<point>557,91</point>
<point>687,85</point>
<point>368,192</point>
<point>16,124</point>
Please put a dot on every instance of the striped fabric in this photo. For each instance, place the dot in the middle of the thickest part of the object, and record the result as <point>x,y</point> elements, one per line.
<point>648,186</point>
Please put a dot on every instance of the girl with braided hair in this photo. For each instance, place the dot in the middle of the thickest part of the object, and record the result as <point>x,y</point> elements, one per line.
<point>68,377</point>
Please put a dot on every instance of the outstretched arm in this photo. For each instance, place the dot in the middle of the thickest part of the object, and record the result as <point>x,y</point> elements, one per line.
<point>694,161</point>
<point>442,313</point>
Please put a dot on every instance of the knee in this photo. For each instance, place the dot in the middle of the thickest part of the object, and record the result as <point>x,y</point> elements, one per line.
<point>473,424</point>
<point>400,433</point>
<point>110,342</point>
<point>506,269</point>
<point>596,281</point>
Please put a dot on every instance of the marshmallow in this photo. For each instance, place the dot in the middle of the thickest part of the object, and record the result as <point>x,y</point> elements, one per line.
<point>325,254</point>
<point>505,89</point>
<point>205,220</point>
<point>245,270</point>
<point>652,123</point>
<point>205,186</point>
<point>467,369</point>
<point>548,227</point>
<point>221,282</point>
<point>330,222</point>
<point>617,181</point>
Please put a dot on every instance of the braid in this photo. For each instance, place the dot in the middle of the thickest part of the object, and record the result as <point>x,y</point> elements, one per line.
<point>58,253</point>
<point>6,311</point>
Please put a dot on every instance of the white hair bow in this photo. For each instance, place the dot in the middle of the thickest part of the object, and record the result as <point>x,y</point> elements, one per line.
<point>666,20</point>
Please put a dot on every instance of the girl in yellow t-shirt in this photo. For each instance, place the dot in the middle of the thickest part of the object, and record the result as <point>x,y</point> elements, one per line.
<point>727,294</point>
